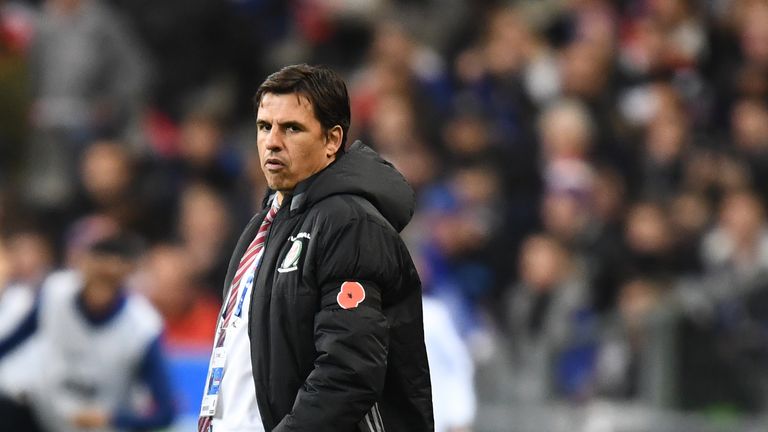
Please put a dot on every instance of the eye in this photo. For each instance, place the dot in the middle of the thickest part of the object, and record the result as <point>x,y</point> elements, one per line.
<point>264,127</point>
<point>293,129</point>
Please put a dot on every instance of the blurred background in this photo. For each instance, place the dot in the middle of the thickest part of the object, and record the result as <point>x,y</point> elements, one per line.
<point>591,178</point>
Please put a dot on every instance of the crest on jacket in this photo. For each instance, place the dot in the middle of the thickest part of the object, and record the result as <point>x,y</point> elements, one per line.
<point>291,260</point>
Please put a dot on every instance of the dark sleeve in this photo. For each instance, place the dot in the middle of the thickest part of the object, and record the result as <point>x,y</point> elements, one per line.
<point>26,328</point>
<point>153,372</point>
<point>351,336</point>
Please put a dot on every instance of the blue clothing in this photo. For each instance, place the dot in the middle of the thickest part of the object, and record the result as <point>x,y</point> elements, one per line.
<point>154,373</point>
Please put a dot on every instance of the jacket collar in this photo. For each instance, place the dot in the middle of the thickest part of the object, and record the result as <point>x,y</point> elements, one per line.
<point>298,197</point>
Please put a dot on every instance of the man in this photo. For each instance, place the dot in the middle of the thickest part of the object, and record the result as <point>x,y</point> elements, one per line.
<point>322,326</point>
<point>75,361</point>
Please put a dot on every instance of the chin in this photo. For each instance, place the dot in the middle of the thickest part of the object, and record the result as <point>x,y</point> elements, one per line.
<point>281,186</point>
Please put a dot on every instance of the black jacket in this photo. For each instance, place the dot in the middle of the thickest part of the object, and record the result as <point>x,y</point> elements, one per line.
<point>336,329</point>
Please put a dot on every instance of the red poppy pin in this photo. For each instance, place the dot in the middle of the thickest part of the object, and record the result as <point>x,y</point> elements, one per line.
<point>350,295</point>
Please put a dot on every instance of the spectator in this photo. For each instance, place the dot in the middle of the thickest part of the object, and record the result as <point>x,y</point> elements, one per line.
<point>690,216</point>
<point>749,125</point>
<point>566,132</point>
<point>664,149</point>
<point>204,230</point>
<point>190,312</point>
<point>649,243</point>
<point>463,212</point>
<point>111,185</point>
<point>683,31</point>
<point>739,243</point>
<point>27,260</point>
<point>203,156</point>
<point>725,309</point>
<point>88,77</point>
<point>402,75</point>
<point>636,358</point>
<point>547,309</point>
<point>31,257</point>
<point>16,29</point>
<point>494,72</point>
<point>83,233</point>
<point>112,335</point>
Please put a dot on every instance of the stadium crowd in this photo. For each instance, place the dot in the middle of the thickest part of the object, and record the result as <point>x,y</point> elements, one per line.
<point>591,175</point>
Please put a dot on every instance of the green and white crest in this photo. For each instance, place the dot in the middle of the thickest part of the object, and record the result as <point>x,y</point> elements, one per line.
<point>291,260</point>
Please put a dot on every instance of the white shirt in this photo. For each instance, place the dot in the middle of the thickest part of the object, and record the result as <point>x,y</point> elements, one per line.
<point>237,410</point>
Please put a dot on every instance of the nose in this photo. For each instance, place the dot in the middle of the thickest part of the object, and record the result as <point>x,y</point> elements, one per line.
<point>273,140</point>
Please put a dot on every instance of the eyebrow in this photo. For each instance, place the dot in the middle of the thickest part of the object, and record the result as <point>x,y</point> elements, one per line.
<point>293,123</point>
<point>284,124</point>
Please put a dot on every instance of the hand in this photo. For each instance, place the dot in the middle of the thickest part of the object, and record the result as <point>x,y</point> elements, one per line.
<point>91,419</point>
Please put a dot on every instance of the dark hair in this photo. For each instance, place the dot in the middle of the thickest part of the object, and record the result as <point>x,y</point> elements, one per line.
<point>324,88</point>
<point>123,245</point>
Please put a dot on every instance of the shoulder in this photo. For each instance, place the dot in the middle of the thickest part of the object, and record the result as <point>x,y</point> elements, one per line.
<point>351,239</point>
<point>60,286</point>
<point>16,301</point>
<point>142,316</point>
<point>339,211</point>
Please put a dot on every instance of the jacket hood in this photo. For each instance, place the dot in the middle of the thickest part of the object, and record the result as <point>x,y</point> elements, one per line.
<point>361,171</point>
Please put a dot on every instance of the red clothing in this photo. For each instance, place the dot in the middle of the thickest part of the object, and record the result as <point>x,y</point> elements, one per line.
<point>195,328</point>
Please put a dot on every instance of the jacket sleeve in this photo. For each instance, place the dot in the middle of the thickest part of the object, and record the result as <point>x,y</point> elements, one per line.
<point>22,332</point>
<point>351,336</point>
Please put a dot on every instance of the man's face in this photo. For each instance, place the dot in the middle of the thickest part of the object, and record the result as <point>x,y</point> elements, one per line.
<point>104,277</point>
<point>291,141</point>
<point>106,269</point>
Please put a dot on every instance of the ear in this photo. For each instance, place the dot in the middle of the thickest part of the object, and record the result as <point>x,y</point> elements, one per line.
<point>333,140</point>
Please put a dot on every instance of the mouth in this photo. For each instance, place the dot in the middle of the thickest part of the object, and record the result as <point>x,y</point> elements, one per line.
<point>273,164</point>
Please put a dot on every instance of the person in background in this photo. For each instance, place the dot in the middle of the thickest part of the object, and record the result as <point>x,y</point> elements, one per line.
<point>203,155</point>
<point>450,369</point>
<point>111,184</point>
<point>204,229</point>
<point>548,318</point>
<point>28,260</point>
<point>649,242</point>
<point>566,131</point>
<point>31,256</point>
<point>635,359</point>
<point>749,125</point>
<point>87,341</point>
<point>17,27</point>
<point>665,147</point>
<point>463,214</point>
<point>189,312</point>
<point>738,244</point>
<point>721,346</point>
<point>88,78</point>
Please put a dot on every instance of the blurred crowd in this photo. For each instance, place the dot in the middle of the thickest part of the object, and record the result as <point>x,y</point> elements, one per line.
<point>591,175</point>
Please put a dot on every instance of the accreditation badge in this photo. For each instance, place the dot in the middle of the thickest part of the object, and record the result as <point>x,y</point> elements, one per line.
<point>213,383</point>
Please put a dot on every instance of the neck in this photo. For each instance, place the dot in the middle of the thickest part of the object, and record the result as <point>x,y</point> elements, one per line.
<point>99,312</point>
<point>279,195</point>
